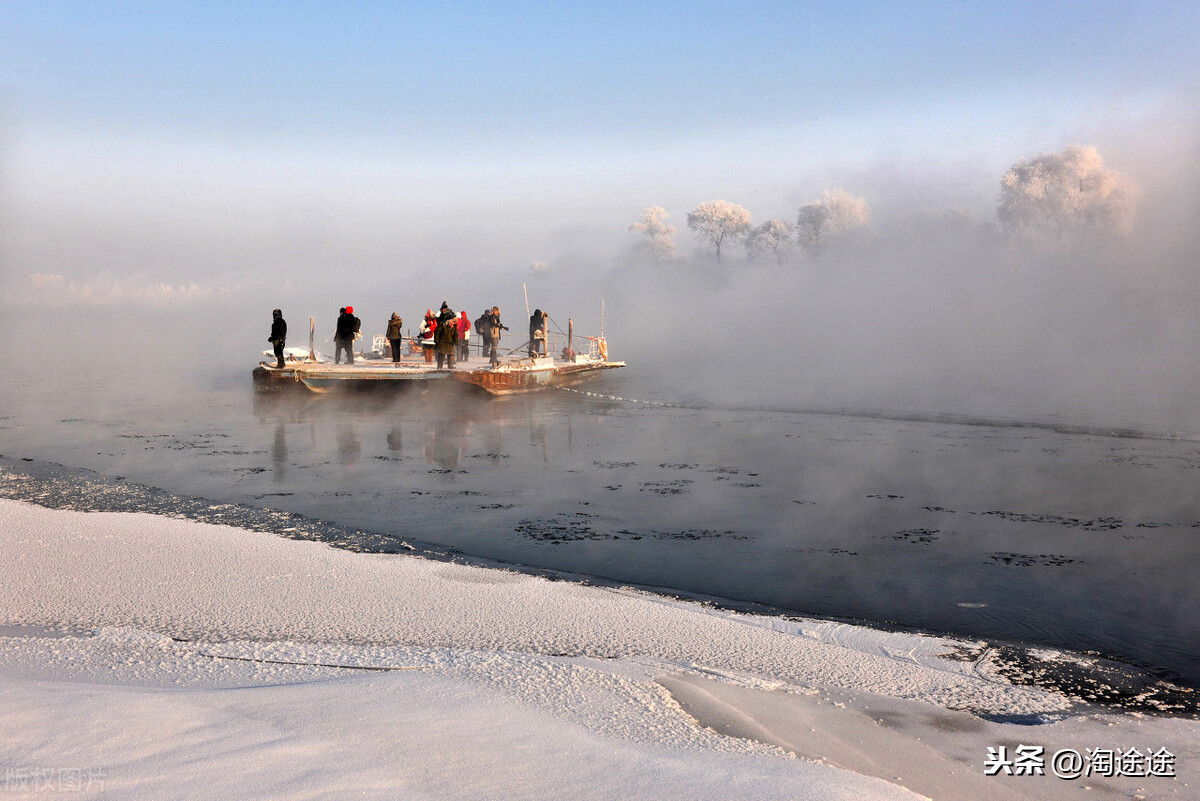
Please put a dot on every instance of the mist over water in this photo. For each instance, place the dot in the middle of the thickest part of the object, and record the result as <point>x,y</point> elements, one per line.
<point>131,356</point>
<point>1080,541</point>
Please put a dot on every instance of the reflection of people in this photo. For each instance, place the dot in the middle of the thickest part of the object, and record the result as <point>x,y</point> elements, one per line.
<point>343,338</point>
<point>464,337</point>
<point>443,445</point>
<point>537,333</point>
<point>446,338</point>
<point>279,452</point>
<point>395,335</point>
<point>348,444</point>
<point>278,334</point>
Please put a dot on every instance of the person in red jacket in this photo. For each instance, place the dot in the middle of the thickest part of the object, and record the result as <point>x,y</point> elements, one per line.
<point>464,337</point>
<point>427,331</point>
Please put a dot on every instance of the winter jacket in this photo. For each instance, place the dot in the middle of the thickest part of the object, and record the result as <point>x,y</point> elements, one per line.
<point>395,329</point>
<point>346,327</point>
<point>537,326</point>
<point>497,327</point>
<point>483,324</point>
<point>446,336</point>
<point>427,329</point>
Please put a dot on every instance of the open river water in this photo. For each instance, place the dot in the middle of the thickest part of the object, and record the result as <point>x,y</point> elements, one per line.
<point>1069,538</point>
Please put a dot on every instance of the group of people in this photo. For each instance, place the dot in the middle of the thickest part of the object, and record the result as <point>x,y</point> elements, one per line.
<point>449,336</point>
<point>444,335</point>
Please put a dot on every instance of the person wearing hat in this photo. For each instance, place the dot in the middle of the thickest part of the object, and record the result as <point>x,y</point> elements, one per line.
<point>537,333</point>
<point>343,338</point>
<point>278,335</point>
<point>496,328</point>
<point>427,330</point>
<point>395,335</point>
<point>446,338</point>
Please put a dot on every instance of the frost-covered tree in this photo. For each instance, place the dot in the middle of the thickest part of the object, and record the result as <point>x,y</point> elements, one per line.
<point>1068,191</point>
<point>719,221</point>
<point>659,242</point>
<point>834,214</point>
<point>774,237</point>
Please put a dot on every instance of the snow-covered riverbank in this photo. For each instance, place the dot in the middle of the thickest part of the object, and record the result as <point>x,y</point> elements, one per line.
<point>154,657</point>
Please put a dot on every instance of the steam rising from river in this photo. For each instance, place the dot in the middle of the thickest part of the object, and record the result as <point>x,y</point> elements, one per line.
<point>930,309</point>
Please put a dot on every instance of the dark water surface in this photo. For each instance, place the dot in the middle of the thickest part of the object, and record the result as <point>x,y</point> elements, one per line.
<point>1076,540</point>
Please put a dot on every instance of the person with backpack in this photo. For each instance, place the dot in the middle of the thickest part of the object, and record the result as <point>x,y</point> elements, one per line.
<point>537,333</point>
<point>343,337</point>
<point>483,324</point>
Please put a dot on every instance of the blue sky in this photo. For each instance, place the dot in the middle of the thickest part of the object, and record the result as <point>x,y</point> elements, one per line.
<point>409,69</point>
<point>537,117</point>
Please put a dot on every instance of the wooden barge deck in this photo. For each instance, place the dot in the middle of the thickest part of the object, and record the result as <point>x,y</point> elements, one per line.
<point>511,377</point>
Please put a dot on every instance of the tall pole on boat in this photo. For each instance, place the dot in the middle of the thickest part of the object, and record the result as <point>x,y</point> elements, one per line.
<point>526,298</point>
<point>312,326</point>
<point>571,336</point>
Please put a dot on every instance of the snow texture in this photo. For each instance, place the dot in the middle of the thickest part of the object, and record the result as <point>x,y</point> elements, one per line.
<point>152,657</point>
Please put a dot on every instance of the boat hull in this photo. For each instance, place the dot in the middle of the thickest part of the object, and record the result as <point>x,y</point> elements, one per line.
<point>533,375</point>
<point>323,377</point>
<point>510,378</point>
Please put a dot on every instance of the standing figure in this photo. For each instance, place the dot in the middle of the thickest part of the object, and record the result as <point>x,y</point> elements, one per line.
<point>446,337</point>
<point>395,335</point>
<point>278,335</point>
<point>483,325</point>
<point>496,328</point>
<point>464,337</point>
<point>343,337</point>
<point>427,330</point>
<point>537,333</point>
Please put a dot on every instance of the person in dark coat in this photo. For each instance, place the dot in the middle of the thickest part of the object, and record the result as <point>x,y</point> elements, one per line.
<point>537,333</point>
<point>483,327</point>
<point>395,335</point>
<point>343,338</point>
<point>496,328</point>
<point>278,335</point>
<point>446,337</point>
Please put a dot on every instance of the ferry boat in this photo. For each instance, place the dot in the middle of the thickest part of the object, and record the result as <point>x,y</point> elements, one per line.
<point>308,370</point>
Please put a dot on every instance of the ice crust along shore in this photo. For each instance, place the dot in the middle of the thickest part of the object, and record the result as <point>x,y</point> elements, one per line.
<point>195,660</point>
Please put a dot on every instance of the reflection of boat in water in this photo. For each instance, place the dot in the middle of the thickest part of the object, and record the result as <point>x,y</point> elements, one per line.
<point>307,370</point>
